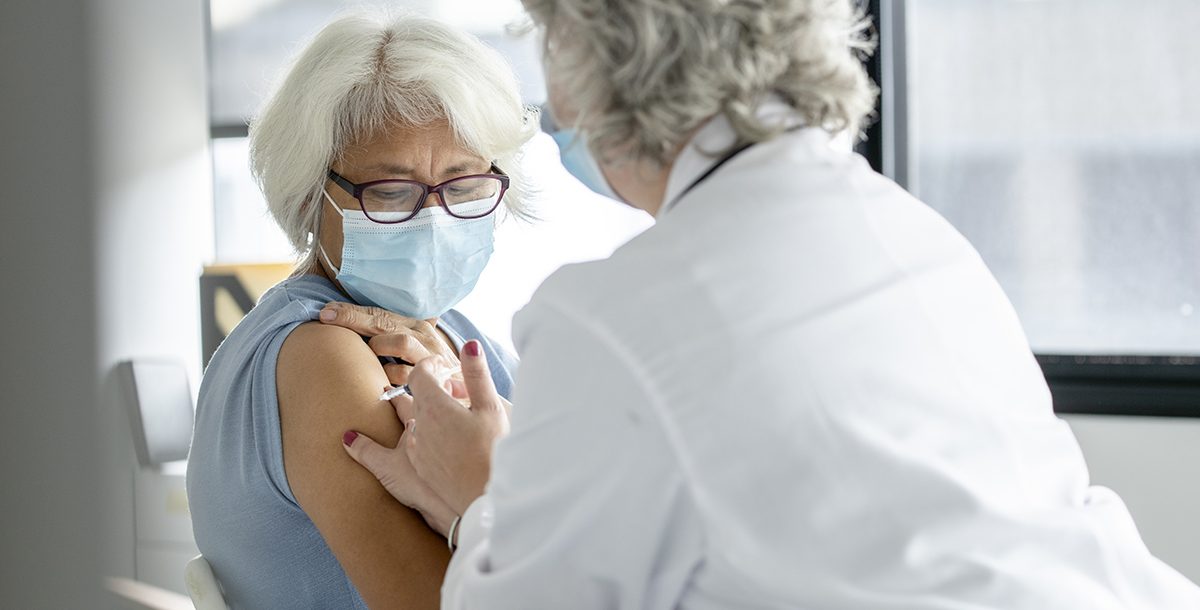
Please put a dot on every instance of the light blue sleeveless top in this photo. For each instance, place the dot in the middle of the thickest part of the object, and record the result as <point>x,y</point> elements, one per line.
<point>265,551</point>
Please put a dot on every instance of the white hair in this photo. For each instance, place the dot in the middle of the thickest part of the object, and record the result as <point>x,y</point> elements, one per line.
<point>643,74</point>
<point>362,73</point>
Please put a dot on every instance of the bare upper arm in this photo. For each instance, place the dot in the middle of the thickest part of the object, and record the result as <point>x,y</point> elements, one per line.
<point>328,382</point>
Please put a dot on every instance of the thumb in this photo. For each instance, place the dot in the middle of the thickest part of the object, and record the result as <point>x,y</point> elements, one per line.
<point>477,378</point>
<point>366,452</point>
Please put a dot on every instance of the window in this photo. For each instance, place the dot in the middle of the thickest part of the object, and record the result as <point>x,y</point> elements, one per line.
<point>1062,138</point>
<point>251,42</point>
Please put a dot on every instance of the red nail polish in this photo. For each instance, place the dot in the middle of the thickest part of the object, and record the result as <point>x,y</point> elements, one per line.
<point>472,349</point>
<point>348,437</point>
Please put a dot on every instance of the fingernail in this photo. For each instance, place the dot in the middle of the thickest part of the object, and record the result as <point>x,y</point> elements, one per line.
<point>348,437</point>
<point>472,348</point>
<point>328,315</point>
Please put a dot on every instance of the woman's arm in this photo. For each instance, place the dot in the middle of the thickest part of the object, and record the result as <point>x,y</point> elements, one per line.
<point>328,381</point>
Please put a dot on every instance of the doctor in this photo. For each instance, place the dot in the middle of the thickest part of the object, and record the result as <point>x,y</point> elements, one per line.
<point>800,389</point>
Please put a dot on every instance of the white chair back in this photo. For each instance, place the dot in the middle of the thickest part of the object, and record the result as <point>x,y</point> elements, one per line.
<point>202,585</point>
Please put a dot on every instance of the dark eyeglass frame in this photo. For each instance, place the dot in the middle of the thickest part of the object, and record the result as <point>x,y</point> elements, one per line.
<point>357,191</point>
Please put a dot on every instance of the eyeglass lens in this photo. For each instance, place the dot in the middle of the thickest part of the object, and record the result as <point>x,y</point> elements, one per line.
<point>470,197</point>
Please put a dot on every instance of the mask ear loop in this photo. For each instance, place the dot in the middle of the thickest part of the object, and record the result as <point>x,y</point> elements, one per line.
<point>333,203</point>
<point>320,246</point>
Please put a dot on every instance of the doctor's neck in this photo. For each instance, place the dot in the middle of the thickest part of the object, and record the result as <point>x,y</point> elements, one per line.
<point>641,184</point>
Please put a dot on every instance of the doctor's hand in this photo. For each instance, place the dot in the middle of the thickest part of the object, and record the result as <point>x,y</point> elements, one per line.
<point>391,335</point>
<point>451,446</point>
<point>448,445</point>
<point>393,469</point>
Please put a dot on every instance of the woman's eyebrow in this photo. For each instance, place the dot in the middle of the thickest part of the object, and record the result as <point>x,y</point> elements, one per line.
<point>459,168</point>
<point>391,169</point>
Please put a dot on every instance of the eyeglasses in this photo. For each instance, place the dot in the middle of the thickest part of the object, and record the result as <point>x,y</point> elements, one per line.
<point>394,201</point>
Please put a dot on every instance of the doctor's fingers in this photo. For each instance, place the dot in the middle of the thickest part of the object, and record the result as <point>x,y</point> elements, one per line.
<point>452,455</point>
<point>423,444</point>
<point>477,377</point>
<point>430,378</point>
<point>391,467</point>
<point>405,409</point>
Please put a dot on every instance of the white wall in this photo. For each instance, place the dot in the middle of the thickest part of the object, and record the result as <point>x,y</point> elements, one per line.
<point>1154,464</point>
<point>48,345</point>
<point>106,177</point>
<point>153,232</point>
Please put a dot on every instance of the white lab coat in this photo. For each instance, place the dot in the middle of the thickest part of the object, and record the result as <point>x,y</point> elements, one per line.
<point>800,389</point>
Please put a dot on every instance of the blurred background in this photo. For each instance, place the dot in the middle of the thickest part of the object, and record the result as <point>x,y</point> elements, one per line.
<point>1060,136</point>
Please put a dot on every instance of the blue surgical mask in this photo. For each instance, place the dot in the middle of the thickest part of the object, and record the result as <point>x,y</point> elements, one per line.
<point>419,268</point>
<point>573,149</point>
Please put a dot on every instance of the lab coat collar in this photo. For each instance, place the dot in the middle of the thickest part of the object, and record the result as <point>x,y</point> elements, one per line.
<point>712,139</point>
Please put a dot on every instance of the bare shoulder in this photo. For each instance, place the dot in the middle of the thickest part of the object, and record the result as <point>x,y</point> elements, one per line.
<point>328,373</point>
<point>328,381</point>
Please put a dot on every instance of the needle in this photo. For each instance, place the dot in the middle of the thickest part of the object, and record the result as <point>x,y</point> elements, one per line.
<point>398,390</point>
<point>394,392</point>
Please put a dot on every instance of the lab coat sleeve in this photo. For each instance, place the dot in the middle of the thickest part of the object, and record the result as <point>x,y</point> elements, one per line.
<point>588,504</point>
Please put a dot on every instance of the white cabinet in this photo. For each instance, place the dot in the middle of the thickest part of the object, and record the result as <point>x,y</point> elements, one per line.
<point>163,526</point>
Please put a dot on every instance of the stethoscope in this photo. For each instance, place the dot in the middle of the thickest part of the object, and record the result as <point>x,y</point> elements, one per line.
<point>729,156</point>
<point>708,173</point>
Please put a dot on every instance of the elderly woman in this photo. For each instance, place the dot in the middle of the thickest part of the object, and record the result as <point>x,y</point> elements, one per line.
<point>384,156</point>
<point>800,389</point>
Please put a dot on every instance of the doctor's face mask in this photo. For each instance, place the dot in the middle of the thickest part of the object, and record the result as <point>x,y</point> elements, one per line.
<point>578,160</point>
<point>575,154</point>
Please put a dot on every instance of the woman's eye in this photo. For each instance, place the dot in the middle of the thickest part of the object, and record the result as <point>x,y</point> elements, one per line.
<point>394,195</point>
<point>464,191</point>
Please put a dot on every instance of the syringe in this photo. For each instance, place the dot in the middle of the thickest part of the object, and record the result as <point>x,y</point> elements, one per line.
<point>455,372</point>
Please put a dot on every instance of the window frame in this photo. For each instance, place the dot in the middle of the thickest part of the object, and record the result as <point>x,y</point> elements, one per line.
<point>1081,384</point>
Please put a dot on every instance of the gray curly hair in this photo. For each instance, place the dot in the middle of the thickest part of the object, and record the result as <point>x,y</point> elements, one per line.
<point>643,74</point>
